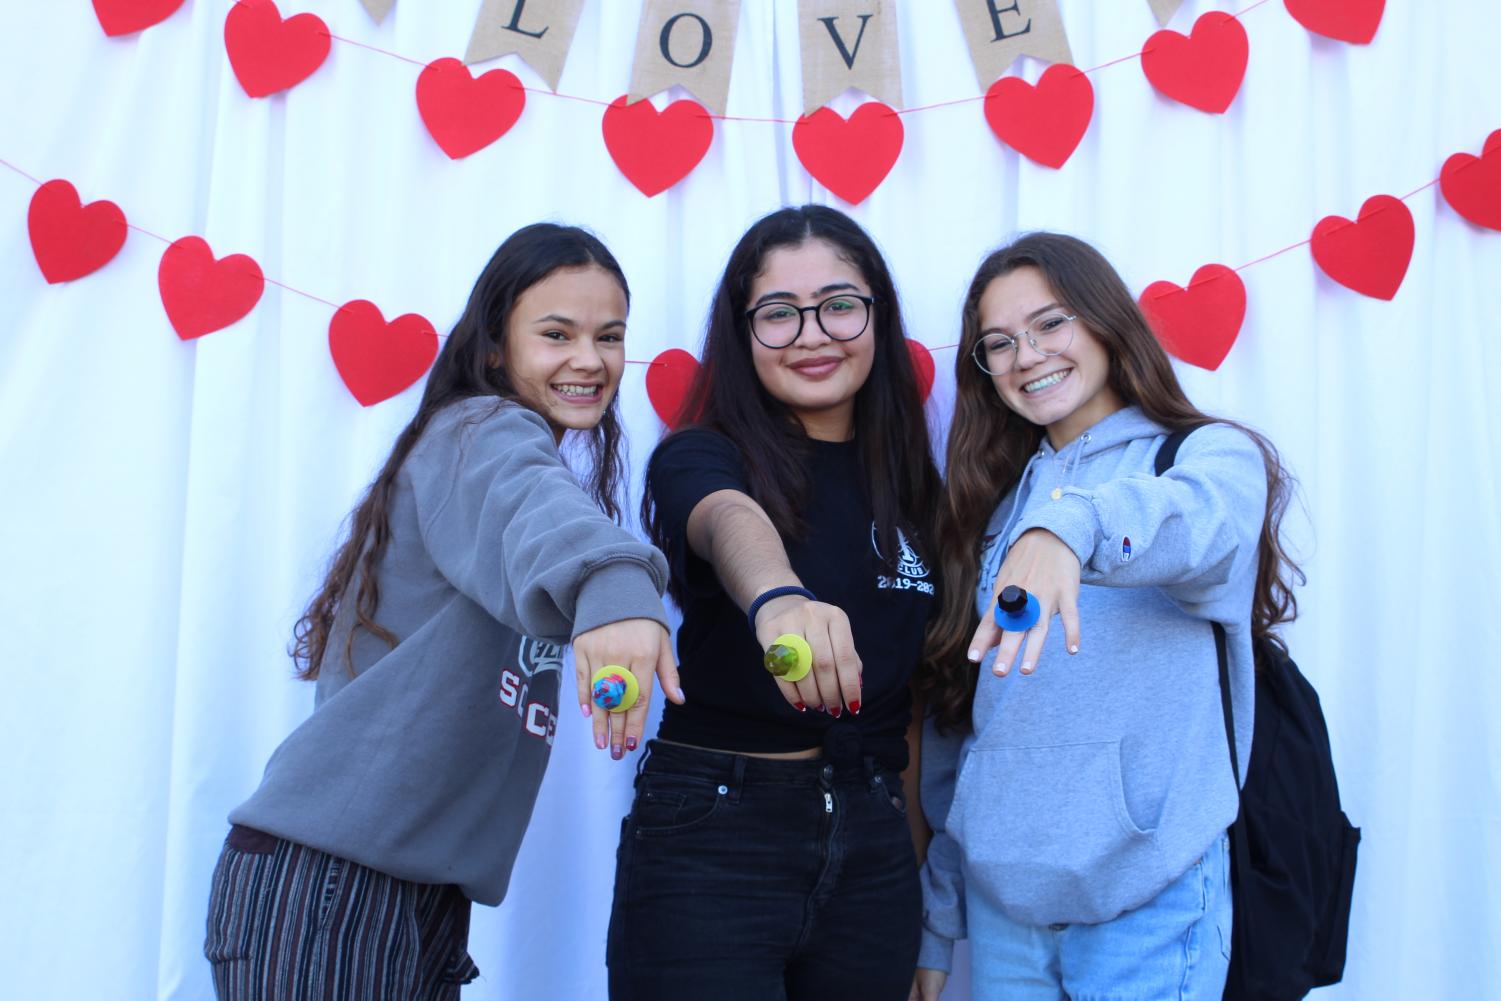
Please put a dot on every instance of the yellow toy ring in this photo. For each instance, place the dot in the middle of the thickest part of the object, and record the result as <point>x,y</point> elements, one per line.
<point>614,689</point>
<point>789,658</point>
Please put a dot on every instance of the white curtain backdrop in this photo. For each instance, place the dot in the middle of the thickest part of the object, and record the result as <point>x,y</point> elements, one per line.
<point>167,507</point>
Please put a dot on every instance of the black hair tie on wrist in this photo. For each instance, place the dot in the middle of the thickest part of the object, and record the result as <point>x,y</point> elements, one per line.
<point>776,592</point>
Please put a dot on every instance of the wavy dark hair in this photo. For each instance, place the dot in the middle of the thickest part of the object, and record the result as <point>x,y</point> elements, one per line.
<point>989,446</point>
<point>726,395</point>
<point>471,363</point>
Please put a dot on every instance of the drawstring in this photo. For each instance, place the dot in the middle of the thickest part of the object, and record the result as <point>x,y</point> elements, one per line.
<point>1069,466</point>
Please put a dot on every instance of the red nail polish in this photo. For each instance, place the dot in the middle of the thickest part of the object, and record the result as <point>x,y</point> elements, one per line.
<point>630,743</point>
<point>820,709</point>
<point>835,711</point>
<point>615,752</point>
<point>855,707</point>
<point>800,707</point>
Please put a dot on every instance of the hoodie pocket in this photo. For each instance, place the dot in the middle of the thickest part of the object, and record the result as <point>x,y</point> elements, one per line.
<point>1047,829</point>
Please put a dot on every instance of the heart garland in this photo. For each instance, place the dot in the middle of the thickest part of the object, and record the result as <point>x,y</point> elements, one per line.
<point>70,239</point>
<point>667,380</point>
<point>1200,323</point>
<point>201,293</point>
<point>1352,21</point>
<point>1472,184</point>
<point>922,363</point>
<point>269,54</point>
<point>375,358</point>
<point>1203,69</point>
<point>1371,254</point>
<point>1043,122</point>
<point>656,149</point>
<point>849,156</point>
<point>464,113</point>
<point>125,17</point>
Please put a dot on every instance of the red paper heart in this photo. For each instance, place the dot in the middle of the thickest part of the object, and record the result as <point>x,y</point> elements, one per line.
<point>70,239</point>
<point>268,54</point>
<point>465,114</point>
<point>1202,70</point>
<point>1472,184</point>
<point>1044,122</point>
<point>122,17</point>
<point>1346,20</point>
<point>1200,323</point>
<point>202,294</point>
<point>1371,254</point>
<point>850,157</point>
<point>922,362</point>
<point>655,150</point>
<point>667,380</point>
<point>377,359</point>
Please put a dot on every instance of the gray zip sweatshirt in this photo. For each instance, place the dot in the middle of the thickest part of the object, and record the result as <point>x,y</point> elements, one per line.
<point>1086,788</point>
<point>423,761</point>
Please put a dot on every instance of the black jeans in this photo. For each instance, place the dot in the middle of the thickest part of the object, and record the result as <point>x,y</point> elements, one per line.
<point>747,879</point>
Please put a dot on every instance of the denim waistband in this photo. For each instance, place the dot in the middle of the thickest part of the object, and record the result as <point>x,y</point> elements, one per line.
<point>738,770</point>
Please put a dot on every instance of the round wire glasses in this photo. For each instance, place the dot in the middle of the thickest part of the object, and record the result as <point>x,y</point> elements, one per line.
<point>1050,334</point>
<point>842,317</point>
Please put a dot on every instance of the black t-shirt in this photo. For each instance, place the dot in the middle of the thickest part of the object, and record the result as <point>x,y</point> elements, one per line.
<point>733,704</point>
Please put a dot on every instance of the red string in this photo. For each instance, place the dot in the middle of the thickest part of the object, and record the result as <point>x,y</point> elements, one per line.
<point>23,173</point>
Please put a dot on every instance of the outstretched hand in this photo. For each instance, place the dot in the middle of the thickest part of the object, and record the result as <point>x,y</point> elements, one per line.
<point>641,646</point>
<point>1047,568</point>
<point>834,682</point>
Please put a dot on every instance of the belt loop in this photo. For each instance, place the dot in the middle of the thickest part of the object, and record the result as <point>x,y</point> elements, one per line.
<point>737,778</point>
<point>641,762</point>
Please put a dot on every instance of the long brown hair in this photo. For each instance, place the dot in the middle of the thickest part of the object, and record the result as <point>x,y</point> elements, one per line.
<point>466,367</point>
<point>726,395</point>
<point>989,446</point>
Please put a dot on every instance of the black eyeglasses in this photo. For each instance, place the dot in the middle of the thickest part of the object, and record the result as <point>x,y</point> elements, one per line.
<point>842,317</point>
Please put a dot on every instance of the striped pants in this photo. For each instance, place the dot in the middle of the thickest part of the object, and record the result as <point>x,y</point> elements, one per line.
<point>289,923</point>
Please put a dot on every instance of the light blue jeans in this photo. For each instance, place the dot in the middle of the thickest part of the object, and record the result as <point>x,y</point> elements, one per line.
<point>1175,947</point>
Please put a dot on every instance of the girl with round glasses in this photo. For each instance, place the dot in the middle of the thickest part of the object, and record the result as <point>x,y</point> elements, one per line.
<point>1078,779</point>
<point>767,853</point>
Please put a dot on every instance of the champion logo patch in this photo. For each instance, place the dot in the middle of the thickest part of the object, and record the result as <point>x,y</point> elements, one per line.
<point>1125,548</point>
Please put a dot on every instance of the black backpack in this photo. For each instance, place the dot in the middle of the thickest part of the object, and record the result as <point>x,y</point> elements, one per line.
<point>1292,849</point>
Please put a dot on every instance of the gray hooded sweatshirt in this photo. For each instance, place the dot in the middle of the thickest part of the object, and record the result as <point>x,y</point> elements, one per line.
<point>423,760</point>
<point>1086,788</point>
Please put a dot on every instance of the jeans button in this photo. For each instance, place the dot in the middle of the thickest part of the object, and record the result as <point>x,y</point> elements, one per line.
<point>828,772</point>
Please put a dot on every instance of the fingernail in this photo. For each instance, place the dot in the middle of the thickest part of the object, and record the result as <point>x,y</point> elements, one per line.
<point>615,752</point>
<point>587,710</point>
<point>855,707</point>
<point>1001,669</point>
<point>599,741</point>
<point>974,656</point>
<point>1026,667</point>
<point>800,707</point>
<point>1074,648</point>
<point>630,743</point>
<point>819,709</point>
<point>834,711</point>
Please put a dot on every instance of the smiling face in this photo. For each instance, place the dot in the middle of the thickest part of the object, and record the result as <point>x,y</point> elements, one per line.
<point>1067,393</point>
<point>565,346</point>
<point>815,377</point>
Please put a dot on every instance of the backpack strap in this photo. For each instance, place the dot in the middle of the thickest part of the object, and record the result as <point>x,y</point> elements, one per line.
<point>1240,851</point>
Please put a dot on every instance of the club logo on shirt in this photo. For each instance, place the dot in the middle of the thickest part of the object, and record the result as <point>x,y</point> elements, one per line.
<point>1125,548</point>
<point>533,658</point>
<point>909,566</point>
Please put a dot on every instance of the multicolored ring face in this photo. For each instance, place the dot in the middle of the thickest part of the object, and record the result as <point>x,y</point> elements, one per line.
<point>609,692</point>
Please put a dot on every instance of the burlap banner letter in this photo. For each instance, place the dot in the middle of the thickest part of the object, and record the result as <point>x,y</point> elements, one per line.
<point>849,43</point>
<point>1000,30</point>
<point>1165,9</point>
<point>689,43</point>
<point>539,31</point>
<point>378,8</point>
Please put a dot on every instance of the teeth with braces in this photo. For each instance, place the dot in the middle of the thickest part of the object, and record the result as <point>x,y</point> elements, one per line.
<point>572,390</point>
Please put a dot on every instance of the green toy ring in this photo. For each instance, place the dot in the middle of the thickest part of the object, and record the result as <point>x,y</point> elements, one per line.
<point>789,658</point>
